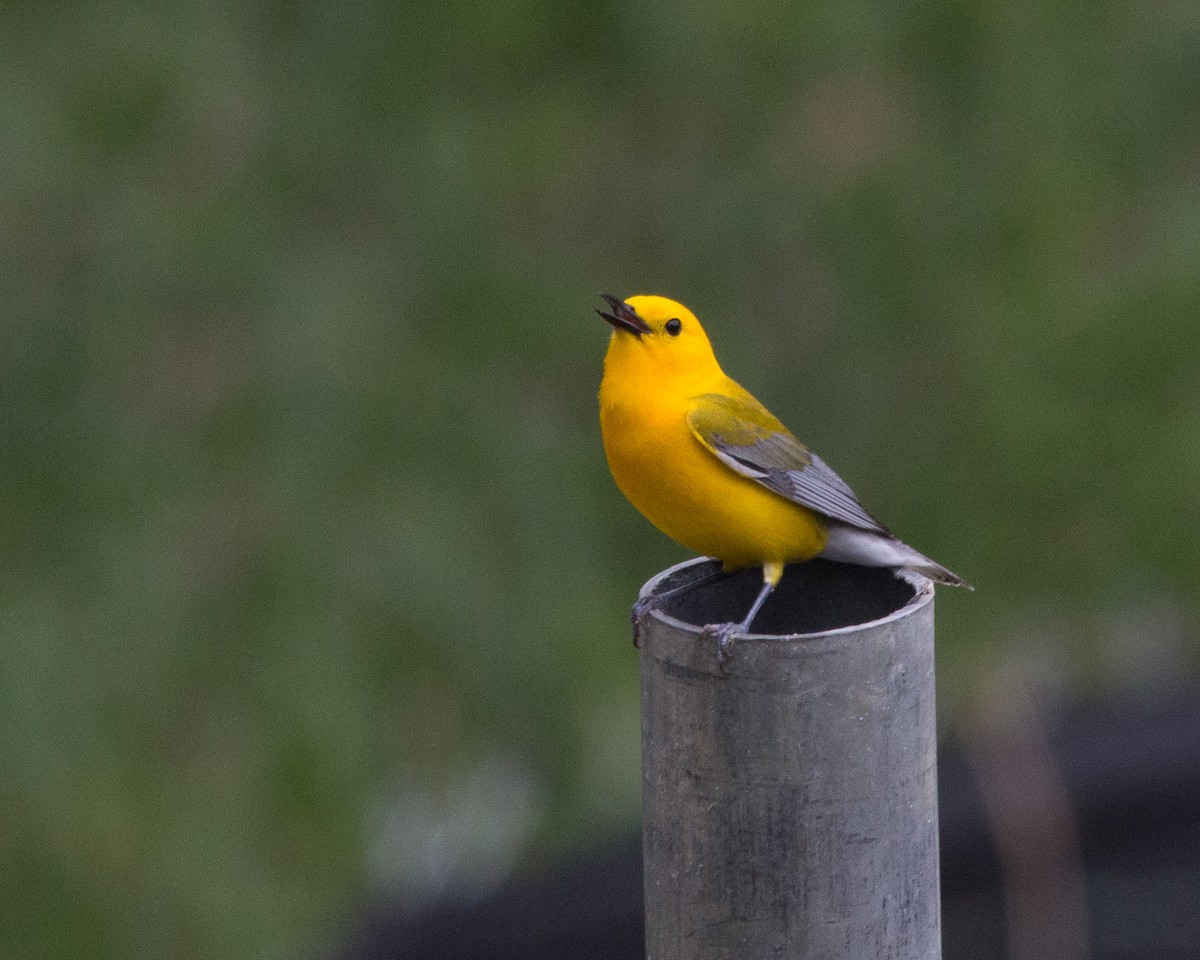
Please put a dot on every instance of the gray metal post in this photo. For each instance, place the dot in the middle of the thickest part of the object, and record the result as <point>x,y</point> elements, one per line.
<point>789,798</point>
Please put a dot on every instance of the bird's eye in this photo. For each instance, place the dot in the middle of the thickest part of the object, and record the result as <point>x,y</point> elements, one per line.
<point>674,326</point>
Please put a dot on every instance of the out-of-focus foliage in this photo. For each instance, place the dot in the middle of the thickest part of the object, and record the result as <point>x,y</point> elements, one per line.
<point>313,584</point>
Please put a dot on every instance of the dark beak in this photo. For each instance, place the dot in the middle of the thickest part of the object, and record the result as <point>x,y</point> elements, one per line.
<point>623,316</point>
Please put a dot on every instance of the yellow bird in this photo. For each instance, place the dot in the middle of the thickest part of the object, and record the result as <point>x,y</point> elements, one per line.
<point>709,465</point>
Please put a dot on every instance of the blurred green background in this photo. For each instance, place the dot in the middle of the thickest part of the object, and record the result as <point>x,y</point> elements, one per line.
<point>314,584</point>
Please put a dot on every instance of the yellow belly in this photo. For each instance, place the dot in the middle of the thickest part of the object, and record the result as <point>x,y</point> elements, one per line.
<point>694,498</point>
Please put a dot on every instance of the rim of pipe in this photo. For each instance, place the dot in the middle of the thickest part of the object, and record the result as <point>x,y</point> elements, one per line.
<point>921,589</point>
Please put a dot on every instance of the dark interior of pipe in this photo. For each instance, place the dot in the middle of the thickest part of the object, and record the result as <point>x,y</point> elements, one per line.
<point>811,597</point>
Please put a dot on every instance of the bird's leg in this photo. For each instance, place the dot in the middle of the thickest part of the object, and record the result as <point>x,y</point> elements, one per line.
<point>724,632</point>
<point>643,605</point>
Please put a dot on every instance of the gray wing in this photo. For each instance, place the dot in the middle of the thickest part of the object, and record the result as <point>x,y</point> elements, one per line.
<point>752,442</point>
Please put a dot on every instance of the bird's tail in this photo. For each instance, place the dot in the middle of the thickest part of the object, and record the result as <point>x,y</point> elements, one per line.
<point>937,573</point>
<point>849,544</point>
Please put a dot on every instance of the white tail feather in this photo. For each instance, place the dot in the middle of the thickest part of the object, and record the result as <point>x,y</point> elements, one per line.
<point>849,544</point>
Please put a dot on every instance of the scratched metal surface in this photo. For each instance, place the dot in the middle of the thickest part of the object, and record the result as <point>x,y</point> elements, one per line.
<point>790,804</point>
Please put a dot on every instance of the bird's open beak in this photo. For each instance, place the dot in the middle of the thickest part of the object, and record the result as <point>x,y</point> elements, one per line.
<point>623,316</point>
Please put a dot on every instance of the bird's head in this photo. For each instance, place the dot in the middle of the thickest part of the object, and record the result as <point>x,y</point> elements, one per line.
<point>657,337</point>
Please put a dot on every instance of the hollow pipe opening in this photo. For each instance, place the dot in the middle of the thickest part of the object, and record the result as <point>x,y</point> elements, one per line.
<point>813,597</point>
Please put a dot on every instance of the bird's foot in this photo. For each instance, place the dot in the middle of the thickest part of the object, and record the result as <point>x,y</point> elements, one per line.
<point>640,610</point>
<point>723,634</point>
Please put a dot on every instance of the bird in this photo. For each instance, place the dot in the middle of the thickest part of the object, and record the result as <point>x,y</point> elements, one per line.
<point>715,470</point>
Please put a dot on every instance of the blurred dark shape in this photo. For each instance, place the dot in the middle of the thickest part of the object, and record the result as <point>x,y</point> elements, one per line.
<point>1131,773</point>
<point>590,909</point>
<point>1032,821</point>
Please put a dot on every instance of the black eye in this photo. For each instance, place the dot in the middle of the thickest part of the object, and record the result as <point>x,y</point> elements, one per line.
<point>674,326</point>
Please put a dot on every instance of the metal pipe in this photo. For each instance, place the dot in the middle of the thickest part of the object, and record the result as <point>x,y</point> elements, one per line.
<point>790,796</point>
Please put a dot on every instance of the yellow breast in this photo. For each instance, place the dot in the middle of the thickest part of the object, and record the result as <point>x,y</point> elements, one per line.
<point>690,495</point>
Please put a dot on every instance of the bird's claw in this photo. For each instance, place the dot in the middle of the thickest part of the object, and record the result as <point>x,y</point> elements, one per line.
<point>641,608</point>
<point>723,634</point>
